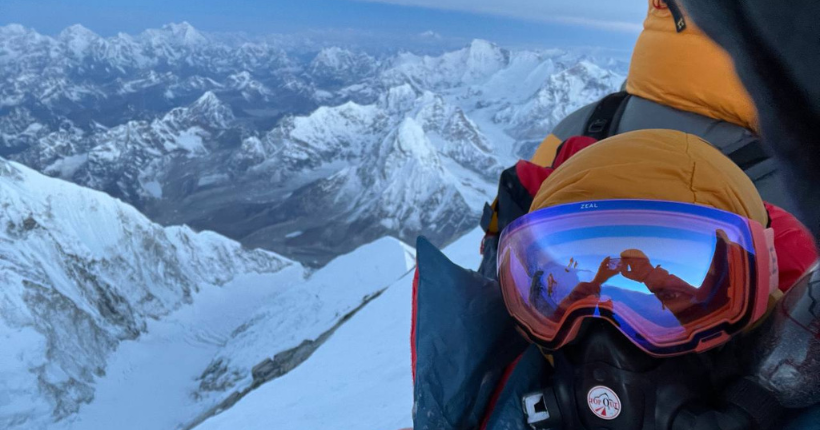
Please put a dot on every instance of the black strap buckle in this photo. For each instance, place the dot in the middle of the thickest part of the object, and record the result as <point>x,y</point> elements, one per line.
<point>601,121</point>
<point>597,126</point>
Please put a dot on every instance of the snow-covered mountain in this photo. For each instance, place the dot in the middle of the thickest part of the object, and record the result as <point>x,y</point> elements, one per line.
<point>340,67</point>
<point>309,154</point>
<point>471,65</point>
<point>561,94</point>
<point>359,380</point>
<point>81,274</point>
<point>208,356</point>
<point>312,150</point>
<point>407,164</point>
<point>105,315</point>
<point>83,77</point>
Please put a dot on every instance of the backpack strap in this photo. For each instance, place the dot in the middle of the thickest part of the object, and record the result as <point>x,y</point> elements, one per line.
<point>751,156</point>
<point>602,122</point>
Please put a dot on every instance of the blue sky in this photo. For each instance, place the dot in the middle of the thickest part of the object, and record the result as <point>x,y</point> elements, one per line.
<point>605,23</point>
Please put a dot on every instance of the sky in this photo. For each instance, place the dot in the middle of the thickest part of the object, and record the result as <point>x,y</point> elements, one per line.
<point>546,23</point>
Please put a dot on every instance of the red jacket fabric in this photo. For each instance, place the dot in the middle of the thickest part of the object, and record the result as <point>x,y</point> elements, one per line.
<point>532,175</point>
<point>795,246</point>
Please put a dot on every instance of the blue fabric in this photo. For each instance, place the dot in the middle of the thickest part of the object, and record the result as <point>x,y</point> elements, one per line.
<point>529,375</point>
<point>465,339</point>
<point>805,419</point>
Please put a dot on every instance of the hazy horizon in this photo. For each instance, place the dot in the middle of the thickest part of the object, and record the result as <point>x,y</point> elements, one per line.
<point>559,24</point>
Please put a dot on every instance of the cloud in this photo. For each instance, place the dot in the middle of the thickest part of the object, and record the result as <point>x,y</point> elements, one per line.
<point>613,15</point>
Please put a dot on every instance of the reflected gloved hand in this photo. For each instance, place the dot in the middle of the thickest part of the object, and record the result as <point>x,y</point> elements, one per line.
<point>635,265</point>
<point>605,272</point>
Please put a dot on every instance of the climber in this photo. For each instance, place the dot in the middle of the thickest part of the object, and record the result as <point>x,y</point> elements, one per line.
<point>623,354</point>
<point>679,79</point>
<point>609,360</point>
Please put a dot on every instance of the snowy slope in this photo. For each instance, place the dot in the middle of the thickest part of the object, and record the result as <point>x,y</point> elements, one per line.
<point>81,273</point>
<point>109,321</point>
<point>360,379</point>
<point>198,357</point>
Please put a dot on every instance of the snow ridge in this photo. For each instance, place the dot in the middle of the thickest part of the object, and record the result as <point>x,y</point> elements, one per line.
<point>83,272</point>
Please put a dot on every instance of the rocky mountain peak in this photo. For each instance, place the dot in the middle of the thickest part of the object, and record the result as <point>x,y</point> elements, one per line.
<point>185,33</point>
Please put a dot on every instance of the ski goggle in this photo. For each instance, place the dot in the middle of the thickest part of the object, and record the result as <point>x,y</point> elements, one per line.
<point>673,277</point>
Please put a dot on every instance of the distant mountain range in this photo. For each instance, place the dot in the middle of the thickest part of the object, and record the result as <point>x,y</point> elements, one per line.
<point>306,153</point>
<point>114,314</point>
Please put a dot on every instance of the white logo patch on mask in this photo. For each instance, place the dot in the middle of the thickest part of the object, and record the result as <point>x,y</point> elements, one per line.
<point>604,403</point>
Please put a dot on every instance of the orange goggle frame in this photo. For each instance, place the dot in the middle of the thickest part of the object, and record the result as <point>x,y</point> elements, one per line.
<point>674,278</point>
